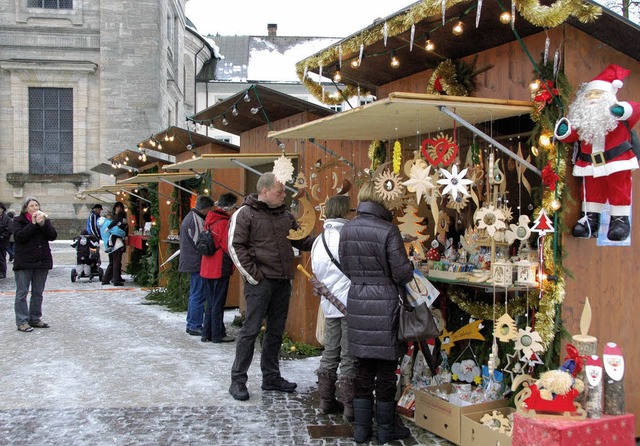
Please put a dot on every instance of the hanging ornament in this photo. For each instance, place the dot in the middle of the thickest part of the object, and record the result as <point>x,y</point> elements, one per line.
<point>478,11</point>
<point>542,224</point>
<point>491,219</point>
<point>469,331</point>
<point>301,181</point>
<point>521,168</point>
<point>444,8</point>
<point>283,169</point>
<point>320,74</point>
<point>306,220</point>
<point>513,14</point>
<point>413,33</point>
<point>340,56</point>
<point>397,157</point>
<point>459,203</point>
<point>389,186</point>
<point>441,150</point>
<point>419,181</point>
<point>532,360</point>
<point>305,72</point>
<point>556,63</point>
<point>361,54</point>
<point>528,342</point>
<point>442,226</point>
<point>505,328</point>
<point>547,45</point>
<point>455,183</point>
<point>514,366</point>
<point>519,231</point>
<point>385,33</point>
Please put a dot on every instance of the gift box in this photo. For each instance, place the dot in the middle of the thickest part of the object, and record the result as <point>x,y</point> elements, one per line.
<point>442,417</point>
<point>473,432</point>
<point>618,430</point>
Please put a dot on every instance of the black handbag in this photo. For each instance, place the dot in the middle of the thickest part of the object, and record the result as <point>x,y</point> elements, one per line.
<point>416,323</point>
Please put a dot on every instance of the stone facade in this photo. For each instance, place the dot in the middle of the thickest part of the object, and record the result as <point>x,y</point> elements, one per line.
<point>126,63</point>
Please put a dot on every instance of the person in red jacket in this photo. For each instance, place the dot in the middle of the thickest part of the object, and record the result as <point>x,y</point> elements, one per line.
<point>216,270</point>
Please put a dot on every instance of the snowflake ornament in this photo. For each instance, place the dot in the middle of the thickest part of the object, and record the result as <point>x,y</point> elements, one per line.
<point>419,181</point>
<point>519,231</point>
<point>466,370</point>
<point>455,182</point>
<point>491,219</point>
<point>528,342</point>
<point>283,169</point>
<point>389,186</point>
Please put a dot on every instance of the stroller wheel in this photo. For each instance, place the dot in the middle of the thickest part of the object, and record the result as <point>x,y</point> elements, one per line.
<point>100,273</point>
<point>74,275</point>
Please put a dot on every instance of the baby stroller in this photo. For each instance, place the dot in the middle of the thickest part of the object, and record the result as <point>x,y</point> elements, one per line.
<point>88,258</point>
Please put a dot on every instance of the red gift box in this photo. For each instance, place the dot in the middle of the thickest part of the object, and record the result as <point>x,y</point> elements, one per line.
<point>618,430</point>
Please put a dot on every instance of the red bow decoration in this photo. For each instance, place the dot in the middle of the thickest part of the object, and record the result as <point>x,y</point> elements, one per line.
<point>550,177</point>
<point>545,94</point>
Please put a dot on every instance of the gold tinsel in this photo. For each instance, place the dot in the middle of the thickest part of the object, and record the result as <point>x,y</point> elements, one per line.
<point>531,10</point>
<point>446,73</point>
<point>397,157</point>
<point>479,310</point>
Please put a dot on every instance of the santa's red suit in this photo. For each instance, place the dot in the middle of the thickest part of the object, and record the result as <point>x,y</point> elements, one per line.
<point>606,163</point>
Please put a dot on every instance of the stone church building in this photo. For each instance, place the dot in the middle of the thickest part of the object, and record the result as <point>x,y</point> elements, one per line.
<point>81,81</point>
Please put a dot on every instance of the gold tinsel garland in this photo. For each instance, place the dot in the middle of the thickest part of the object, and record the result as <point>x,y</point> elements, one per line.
<point>531,10</point>
<point>479,310</point>
<point>445,72</point>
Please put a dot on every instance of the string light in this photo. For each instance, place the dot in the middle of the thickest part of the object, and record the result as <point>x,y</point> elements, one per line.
<point>534,85</point>
<point>429,46</point>
<point>337,77</point>
<point>458,28</point>
<point>234,110</point>
<point>255,110</point>
<point>505,18</point>
<point>355,63</point>
<point>224,120</point>
<point>395,62</point>
<point>247,98</point>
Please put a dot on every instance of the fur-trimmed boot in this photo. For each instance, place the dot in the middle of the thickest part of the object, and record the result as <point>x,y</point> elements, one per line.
<point>587,226</point>
<point>327,388</point>
<point>346,396</point>
<point>390,427</point>
<point>362,413</point>
<point>619,228</point>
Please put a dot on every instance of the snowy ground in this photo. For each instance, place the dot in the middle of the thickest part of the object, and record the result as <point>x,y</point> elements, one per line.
<point>115,370</point>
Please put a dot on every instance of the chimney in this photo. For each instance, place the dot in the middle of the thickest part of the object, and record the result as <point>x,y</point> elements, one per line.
<point>272,29</point>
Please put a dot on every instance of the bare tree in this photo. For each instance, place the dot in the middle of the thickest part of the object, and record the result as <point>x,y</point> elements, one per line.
<point>629,9</point>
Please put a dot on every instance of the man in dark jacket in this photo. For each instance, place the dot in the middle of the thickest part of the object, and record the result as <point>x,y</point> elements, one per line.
<point>373,256</point>
<point>260,249</point>
<point>92,221</point>
<point>5,235</point>
<point>190,262</point>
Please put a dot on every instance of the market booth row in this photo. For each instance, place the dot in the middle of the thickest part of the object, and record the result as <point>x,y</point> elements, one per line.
<point>493,227</point>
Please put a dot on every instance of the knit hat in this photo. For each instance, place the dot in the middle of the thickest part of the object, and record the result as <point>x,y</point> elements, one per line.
<point>97,206</point>
<point>609,80</point>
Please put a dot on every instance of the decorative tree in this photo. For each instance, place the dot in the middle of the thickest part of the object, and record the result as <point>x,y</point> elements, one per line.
<point>412,228</point>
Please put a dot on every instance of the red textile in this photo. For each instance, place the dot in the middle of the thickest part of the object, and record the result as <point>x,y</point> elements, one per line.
<point>616,430</point>
<point>135,241</point>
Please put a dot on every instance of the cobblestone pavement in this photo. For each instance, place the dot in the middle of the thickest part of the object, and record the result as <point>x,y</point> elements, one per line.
<point>114,370</point>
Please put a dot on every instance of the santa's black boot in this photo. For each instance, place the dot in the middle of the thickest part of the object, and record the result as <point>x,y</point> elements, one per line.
<point>619,228</point>
<point>587,226</point>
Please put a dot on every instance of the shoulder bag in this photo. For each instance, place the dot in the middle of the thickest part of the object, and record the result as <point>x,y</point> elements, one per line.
<point>416,323</point>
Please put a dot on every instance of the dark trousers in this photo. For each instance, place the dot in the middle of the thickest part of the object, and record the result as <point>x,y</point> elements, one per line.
<point>3,262</point>
<point>216,294</point>
<point>267,300</point>
<point>114,270</point>
<point>378,375</point>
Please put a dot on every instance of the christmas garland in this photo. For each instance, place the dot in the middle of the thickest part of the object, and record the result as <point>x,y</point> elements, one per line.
<point>485,311</point>
<point>531,10</point>
<point>455,78</point>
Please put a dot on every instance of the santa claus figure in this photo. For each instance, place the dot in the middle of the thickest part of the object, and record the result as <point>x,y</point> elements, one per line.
<point>604,158</point>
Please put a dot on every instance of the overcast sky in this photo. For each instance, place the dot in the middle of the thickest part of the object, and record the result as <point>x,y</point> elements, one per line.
<point>293,17</point>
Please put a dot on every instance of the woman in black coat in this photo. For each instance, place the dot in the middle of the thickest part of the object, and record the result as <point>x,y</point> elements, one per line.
<point>373,256</point>
<point>116,245</point>
<point>32,232</point>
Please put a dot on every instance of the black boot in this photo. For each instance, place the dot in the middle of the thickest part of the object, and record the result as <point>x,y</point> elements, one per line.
<point>587,226</point>
<point>346,396</point>
<point>619,228</point>
<point>327,388</point>
<point>390,427</point>
<point>362,413</point>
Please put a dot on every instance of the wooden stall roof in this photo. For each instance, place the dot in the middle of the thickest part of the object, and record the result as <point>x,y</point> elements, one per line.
<point>109,169</point>
<point>146,178</point>
<point>182,138</point>
<point>404,114</point>
<point>276,105</point>
<point>132,158</point>
<point>226,161</point>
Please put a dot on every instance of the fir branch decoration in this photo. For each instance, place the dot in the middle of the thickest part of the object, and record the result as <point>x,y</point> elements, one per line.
<point>455,78</point>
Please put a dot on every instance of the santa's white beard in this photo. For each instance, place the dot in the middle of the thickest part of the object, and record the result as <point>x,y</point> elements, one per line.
<point>592,119</point>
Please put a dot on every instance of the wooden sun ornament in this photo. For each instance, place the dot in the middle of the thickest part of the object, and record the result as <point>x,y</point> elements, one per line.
<point>283,169</point>
<point>389,185</point>
<point>491,219</point>
<point>528,342</point>
<point>505,328</point>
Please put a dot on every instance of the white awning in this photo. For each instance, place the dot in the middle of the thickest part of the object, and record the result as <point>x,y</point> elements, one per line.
<point>227,161</point>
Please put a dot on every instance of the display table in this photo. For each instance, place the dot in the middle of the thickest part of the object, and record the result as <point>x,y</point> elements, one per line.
<point>618,430</point>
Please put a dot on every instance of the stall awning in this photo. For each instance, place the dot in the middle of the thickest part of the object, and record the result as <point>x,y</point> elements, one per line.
<point>146,178</point>
<point>135,160</point>
<point>404,114</point>
<point>109,169</point>
<point>176,140</point>
<point>110,189</point>
<point>227,161</point>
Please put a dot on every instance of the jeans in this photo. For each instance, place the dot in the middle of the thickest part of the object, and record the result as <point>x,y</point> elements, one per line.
<point>336,350</point>
<point>378,375</point>
<point>216,296</point>
<point>36,278</point>
<point>198,291</point>
<point>268,300</point>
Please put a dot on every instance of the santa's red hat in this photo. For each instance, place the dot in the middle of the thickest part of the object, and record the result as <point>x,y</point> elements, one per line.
<point>612,349</point>
<point>594,360</point>
<point>609,80</point>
